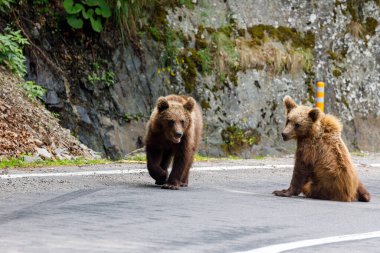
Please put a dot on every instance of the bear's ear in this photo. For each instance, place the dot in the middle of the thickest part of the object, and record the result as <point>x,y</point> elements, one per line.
<point>289,104</point>
<point>314,114</point>
<point>162,104</point>
<point>189,104</point>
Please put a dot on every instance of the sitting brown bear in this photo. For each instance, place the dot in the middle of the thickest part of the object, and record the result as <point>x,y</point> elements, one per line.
<point>174,130</point>
<point>323,167</point>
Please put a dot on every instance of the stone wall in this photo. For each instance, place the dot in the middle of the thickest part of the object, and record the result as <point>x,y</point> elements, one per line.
<point>243,113</point>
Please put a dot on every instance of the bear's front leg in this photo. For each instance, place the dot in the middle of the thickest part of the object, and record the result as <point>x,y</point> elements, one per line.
<point>300,175</point>
<point>284,193</point>
<point>182,159</point>
<point>175,175</point>
<point>154,160</point>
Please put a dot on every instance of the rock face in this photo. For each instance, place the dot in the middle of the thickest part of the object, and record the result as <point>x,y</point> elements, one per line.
<point>278,48</point>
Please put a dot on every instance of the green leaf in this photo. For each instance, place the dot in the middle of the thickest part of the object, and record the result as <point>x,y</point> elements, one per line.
<point>88,14</point>
<point>96,24</point>
<point>93,2</point>
<point>105,9</point>
<point>85,15</point>
<point>98,11</point>
<point>72,8</point>
<point>75,22</point>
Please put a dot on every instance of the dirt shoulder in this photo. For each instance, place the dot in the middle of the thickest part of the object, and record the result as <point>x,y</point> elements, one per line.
<point>28,129</point>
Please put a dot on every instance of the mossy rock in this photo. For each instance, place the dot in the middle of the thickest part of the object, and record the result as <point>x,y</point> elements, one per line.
<point>370,25</point>
<point>237,138</point>
<point>282,34</point>
<point>337,72</point>
<point>205,104</point>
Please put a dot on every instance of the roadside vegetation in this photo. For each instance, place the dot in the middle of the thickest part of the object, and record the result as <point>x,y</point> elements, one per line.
<point>21,163</point>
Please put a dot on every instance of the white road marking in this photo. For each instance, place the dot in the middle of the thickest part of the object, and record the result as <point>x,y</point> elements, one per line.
<point>276,248</point>
<point>243,192</point>
<point>136,171</point>
<point>78,173</point>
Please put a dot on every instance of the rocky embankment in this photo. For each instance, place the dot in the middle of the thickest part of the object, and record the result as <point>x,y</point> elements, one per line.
<point>28,130</point>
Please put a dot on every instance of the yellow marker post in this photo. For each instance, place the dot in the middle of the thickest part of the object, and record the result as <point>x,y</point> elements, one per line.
<point>321,95</point>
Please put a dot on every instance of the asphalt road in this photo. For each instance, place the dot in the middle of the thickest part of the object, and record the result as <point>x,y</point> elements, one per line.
<point>228,207</point>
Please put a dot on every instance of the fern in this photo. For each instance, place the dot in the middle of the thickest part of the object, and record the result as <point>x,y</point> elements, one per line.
<point>11,54</point>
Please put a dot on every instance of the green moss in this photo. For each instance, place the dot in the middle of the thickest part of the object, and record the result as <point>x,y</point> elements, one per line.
<point>333,55</point>
<point>215,88</point>
<point>337,72</point>
<point>241,32</point>
<point>282,34</point>
<point>205,104</point>
<point>310,84</point>
<point>309,40</point>
<point>370,25</point>
<point>129,117</point>
<point>156,34</point>
<point>159,17</point>
<point>236,138</point>
<point>210,30</point>
<point>187,3</point>
<point>189,69</point>
<point>258,34</point>
<point>226,58</point>
<point>233,75</point>
<point>258,31</point>
<point>274,106</point>
<point>227,30</point>
<point>170,52</point>
<point>344,51</point>
<point>352,8</point>
<point>204,59</point>
<point>200,42</point>
<point>345,102</point>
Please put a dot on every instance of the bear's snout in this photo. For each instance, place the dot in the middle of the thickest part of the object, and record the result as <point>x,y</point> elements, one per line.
<point>284,137</point>
<point>178,134</point>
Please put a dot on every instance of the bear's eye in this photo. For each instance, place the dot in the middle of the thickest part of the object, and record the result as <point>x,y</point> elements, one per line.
<point>182,122</point>
<point>171,123</point>
<point>296,125</point>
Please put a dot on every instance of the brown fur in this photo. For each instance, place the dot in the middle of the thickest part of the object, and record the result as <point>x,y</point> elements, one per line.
<point>174,130</point>
<point>323,167</point>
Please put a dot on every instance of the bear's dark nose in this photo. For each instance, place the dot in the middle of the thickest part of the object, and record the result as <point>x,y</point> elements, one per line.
<point>178,134</point>
<point>284,136</point>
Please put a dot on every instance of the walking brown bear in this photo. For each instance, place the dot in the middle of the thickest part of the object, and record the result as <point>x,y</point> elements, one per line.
<point>174,131</point>
<point>323,168</point>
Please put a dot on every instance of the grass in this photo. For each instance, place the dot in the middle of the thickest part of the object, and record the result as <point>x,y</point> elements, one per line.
<point>139,158</point>
<point>259,157</point>
<point>274,57</point>
<point>136,158</point>
<point>359,153</point>
<point>20,163</point>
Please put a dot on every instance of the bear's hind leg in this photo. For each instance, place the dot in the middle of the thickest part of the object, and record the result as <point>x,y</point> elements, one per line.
<point>185,173</point>
<point>306,189</point>
<point>363,194</point>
